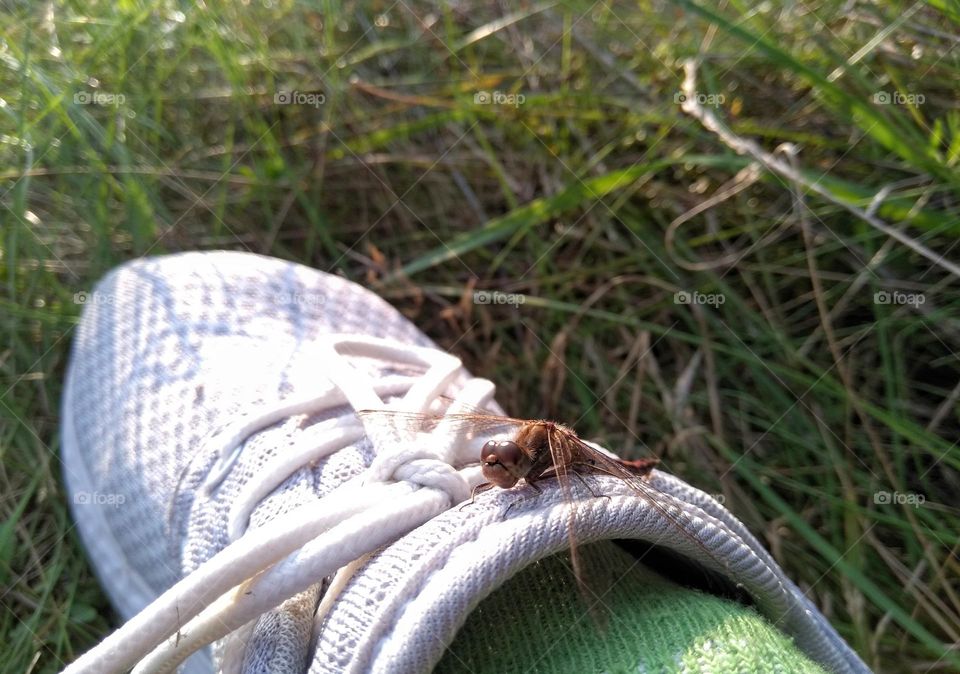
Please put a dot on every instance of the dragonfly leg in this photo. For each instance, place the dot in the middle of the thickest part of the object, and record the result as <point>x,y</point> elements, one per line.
<point>532,484</point>
<point>507,510</point>
<point>479,489</point>
<point>587,484</point>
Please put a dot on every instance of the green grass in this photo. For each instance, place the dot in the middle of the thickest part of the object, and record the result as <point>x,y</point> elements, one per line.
<point>399,180</point>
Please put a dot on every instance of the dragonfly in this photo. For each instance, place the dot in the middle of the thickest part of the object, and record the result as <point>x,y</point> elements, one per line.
<point>536,450</point>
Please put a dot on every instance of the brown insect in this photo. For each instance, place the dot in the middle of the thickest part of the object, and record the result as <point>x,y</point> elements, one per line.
<point>537,450</point>
<point>545,448</point>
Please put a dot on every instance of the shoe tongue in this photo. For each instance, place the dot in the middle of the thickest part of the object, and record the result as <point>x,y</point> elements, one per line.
<point>280,641</point>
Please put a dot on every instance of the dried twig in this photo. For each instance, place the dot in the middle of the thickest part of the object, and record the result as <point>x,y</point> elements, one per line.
<point>779,167</point>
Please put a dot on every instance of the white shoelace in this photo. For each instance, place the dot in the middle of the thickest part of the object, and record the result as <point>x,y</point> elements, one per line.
<point>406,485</point>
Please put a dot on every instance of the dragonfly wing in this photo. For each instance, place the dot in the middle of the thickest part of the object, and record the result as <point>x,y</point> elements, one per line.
<point>561,453</point>
<point>387,428</point>
<point>633,474</point>
<point>415,422</point>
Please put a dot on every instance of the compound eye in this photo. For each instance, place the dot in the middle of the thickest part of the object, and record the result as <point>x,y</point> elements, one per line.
<point>501,463</point>
<point>504,452</point>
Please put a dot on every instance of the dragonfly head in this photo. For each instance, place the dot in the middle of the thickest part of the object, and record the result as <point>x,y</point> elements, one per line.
<point>504,463</point>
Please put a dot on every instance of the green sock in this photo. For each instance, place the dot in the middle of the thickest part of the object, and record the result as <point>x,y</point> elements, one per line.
<point>538,621</point>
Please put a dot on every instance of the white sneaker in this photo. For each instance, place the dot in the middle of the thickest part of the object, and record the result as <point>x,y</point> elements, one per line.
<point>227,493</point>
